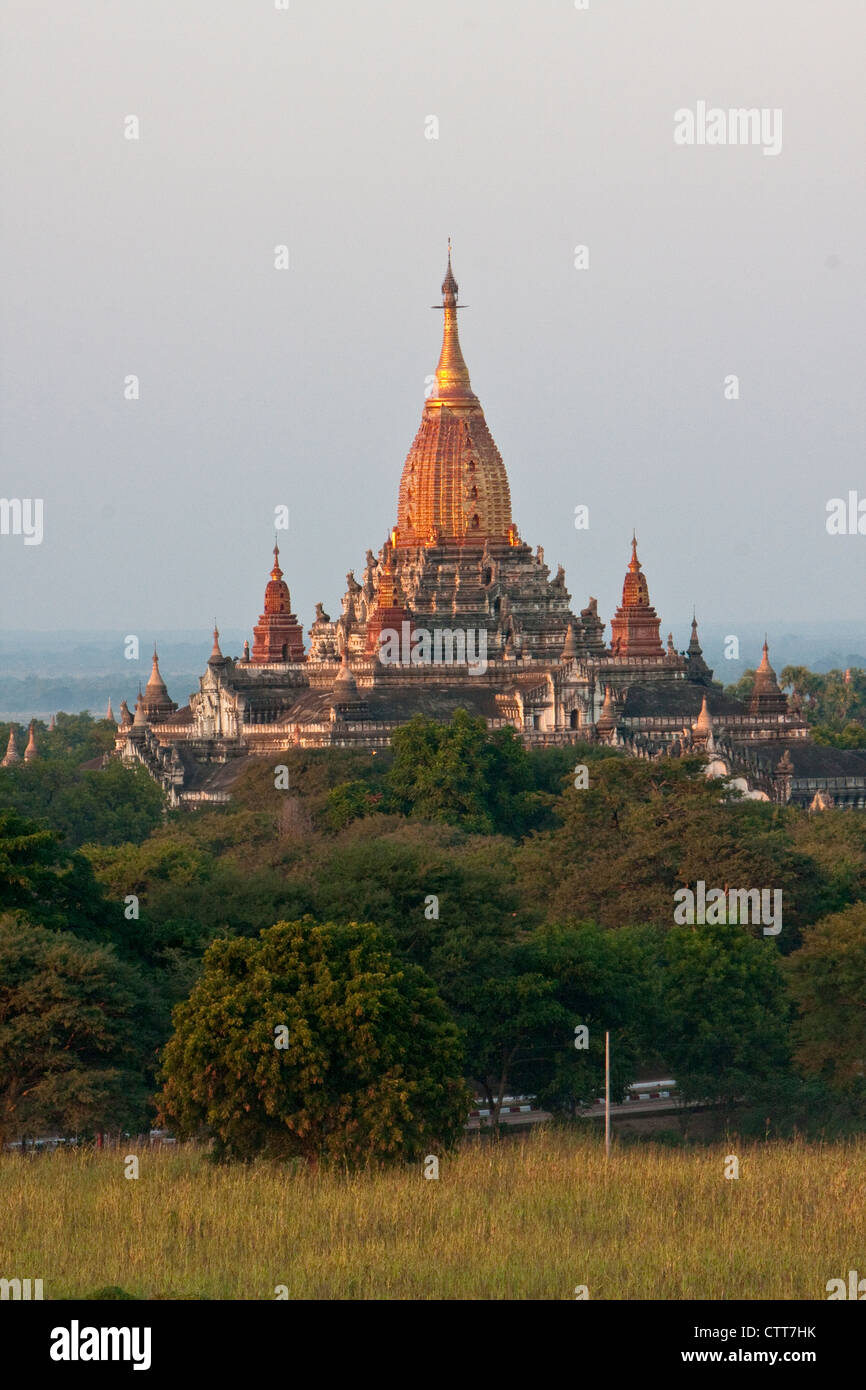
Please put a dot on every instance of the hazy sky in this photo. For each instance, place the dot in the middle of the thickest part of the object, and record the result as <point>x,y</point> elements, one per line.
<point>304,387</point>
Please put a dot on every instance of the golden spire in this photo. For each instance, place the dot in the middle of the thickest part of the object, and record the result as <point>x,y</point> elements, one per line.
<point>635,590</point>
<point>140,715</point>
<point>276,572</point>
<point>765,667</point>
<point>607,718</point>
<point>155,688</point>
<point>452,374</point>
<point>454,488</point>
<point>704,722</point>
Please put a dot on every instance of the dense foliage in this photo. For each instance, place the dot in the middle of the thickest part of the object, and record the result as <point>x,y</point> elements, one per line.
<point>76,1026</point>
<point>314,1039</point>
<point>68,788</point>
<point>518,906</point>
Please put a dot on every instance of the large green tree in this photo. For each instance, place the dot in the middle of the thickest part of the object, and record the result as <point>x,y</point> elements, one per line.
<point>462,773</point>
<point>530,1000</point>
<point>725,1013</point>
<point>53,886</point>
<point>77,1034</point>
<point>370,1069</point>
<point>827,977</point>
<point>605,982</point>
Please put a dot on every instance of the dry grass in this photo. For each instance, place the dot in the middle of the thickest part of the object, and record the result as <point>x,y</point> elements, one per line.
<point>528,1218</point>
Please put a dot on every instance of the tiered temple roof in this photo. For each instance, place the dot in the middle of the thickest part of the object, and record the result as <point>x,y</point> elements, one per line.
<point>634,631</point>
<point>278,635</point>
<point>767,698</point>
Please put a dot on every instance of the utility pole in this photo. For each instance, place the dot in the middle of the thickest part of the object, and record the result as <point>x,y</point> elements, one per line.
<point>607,1094</point>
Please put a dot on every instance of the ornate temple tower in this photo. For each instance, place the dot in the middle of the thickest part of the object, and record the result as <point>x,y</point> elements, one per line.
<point>697,669</point>
<point>454,488</point>
<point>11,755</point>
<point>278,636</point>
<point>31,751</point>
<point>702,729</point>
<point>635,629</point>
<point>155,702</point>
<point>767,698</point>
<point>389,611</point>
<point>458,561</point>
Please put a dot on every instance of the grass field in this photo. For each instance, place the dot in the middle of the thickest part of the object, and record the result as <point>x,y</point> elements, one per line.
<point>527,1218</point>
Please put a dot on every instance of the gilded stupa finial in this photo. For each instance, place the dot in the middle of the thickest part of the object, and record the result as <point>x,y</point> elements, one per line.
<point>452,374</point>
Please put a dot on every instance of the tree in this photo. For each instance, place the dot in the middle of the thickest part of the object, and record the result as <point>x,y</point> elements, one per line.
<point>462,773</point>
<point>802,681</point>
<point>54,887</point>
<point>107,806</point>
<point>852,736</point>
<point>605,981</point>
<point>641,830</point>
<point>742,689</point>
<point>827,978</point>
<point>350,801</point>
<point>833,701</point>
<point>76,738</point>
<point>836,843</point>
<point>531,997</point>
<point>76,1027</point>
<point>370,1066</point>
<point>387,870</point>
<point>726,1013</point>
<point>515,1011</point>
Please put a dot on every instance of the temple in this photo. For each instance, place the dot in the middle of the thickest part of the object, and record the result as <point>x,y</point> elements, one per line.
<point>456,610</point>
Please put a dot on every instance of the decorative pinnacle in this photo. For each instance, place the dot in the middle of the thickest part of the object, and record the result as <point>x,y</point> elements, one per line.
<point>449,284</point>
<point>452,374</point>
<point>704,722</point>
